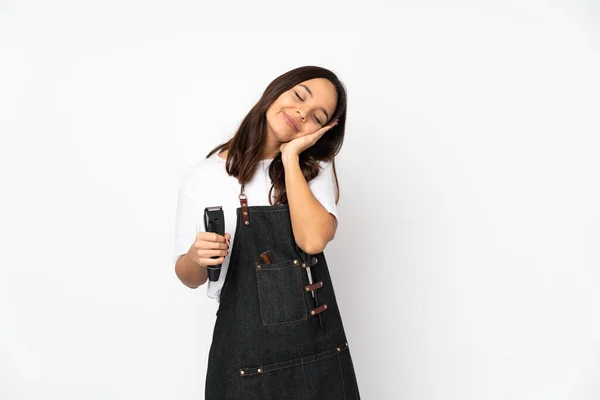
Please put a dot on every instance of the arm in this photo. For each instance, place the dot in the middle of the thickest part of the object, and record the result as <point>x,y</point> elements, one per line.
<point>312,224</point>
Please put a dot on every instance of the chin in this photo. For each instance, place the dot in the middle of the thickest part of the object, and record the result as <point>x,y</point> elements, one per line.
<point>282,133</point>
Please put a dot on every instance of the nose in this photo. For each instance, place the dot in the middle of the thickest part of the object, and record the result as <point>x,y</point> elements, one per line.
<point>300,114</point>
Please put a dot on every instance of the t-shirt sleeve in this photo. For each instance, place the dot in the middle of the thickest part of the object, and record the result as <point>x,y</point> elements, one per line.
<point>323,188</point>
<point>188,218</point>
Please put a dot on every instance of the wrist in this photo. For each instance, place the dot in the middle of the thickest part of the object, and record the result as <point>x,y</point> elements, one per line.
<point>287,158</point>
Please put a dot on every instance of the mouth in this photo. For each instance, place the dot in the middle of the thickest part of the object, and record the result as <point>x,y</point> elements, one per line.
<point>291,121</point>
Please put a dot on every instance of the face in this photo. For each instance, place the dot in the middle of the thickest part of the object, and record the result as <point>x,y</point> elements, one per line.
<point>302,110</point>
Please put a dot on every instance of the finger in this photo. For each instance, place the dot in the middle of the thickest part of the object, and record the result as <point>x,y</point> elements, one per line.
<point>331,126</point>
<point>319,133</point>
<point>211,261</point>
<point>214,237</point>
<point>226,239</point>
<point>208,245</point>
<point>203,253</point>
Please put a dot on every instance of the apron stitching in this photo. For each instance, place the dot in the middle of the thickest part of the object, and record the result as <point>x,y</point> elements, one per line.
<point>303,362</point>
<point>287,322</point>
<point>320,356</point>
<point>259,299</point>
<point>342,375</point>
<point>272,269</point>
<point>305,387</point>
<point>262,385</point>
<point>241,386</point>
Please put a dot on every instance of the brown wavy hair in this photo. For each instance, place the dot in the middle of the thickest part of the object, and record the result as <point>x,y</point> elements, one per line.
<point>245,148</point>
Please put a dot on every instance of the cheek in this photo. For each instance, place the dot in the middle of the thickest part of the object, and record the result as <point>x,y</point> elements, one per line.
<point>273,111</point>
<point>275,108</point>
<point>285,102</point>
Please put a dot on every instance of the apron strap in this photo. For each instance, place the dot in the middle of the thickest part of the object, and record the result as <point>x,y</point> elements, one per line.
<point>244,204</point>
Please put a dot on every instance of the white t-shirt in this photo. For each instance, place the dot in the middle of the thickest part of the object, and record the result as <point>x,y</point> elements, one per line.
<point>207,184</point>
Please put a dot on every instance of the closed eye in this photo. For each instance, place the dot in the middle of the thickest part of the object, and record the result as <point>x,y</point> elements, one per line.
<point>301,99</point>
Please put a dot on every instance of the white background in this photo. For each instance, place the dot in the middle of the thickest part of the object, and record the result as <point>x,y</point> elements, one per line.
<point>467,261</point>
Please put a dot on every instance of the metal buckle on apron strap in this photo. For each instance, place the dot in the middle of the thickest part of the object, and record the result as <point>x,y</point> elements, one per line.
<point>319,309</point>
<point>312,260</point>
<point>314,286</point>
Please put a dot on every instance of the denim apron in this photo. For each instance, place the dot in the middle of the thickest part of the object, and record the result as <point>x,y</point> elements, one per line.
<point>271,340</point>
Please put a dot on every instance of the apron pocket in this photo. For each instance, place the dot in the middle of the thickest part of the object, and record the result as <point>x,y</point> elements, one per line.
<point>280,292</point>
<point>318,376</point>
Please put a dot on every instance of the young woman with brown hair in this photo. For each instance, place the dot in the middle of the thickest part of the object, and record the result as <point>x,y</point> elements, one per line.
<point>278,333</point>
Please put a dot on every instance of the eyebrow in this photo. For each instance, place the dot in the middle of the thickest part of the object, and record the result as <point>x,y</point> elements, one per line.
<point>309,92</point>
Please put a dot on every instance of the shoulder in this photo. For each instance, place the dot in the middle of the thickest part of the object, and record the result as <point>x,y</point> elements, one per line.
<point>202,172</point>
<point>325,164</point>
<point>325,169</point>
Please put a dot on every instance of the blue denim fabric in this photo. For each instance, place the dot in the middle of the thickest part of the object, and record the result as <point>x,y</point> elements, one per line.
<point>265,343</point>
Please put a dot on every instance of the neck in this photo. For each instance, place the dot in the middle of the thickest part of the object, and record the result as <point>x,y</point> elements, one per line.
<point>271,149</point>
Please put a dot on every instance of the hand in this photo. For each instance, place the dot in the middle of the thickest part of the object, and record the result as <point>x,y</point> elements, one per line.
<point>298,145</point>
<point>207,245</point>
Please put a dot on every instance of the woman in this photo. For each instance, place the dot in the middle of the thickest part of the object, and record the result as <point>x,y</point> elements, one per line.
<point>278,333</point>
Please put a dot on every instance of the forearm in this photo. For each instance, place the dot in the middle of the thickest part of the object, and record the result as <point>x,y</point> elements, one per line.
<point>190,273</point>
<point>313,226</point>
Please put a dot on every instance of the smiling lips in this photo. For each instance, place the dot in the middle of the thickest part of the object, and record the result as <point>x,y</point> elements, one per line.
<point>290,121</point>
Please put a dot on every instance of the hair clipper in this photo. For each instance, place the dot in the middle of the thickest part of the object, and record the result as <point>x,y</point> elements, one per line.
<point>214,221</point>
